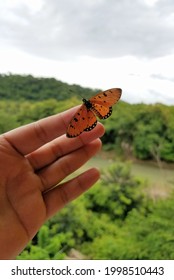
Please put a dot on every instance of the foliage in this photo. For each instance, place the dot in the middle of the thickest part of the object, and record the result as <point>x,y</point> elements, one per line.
<point>144,131</point>
<point>147,236</point>
<point>91,225</point>
<point>118,193</point>
<point>47,245</point>
<point>17,87</point>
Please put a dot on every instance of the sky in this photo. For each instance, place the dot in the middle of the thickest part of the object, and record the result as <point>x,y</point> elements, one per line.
<point>93,43</point>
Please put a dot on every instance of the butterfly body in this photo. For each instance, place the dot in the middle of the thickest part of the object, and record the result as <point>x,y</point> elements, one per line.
<point>99,105</point>
<point>87,103</point>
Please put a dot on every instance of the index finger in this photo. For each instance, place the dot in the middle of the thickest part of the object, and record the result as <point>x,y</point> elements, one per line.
<point>28,138</point>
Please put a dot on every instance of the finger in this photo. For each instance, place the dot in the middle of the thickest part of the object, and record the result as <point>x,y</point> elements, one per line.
<point>28,138</point>
<point>56,172</point>
<point>58,197</point>
<point>61,146</point>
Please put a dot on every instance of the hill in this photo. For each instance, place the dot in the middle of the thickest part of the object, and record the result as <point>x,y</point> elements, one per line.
<point>15,87</point>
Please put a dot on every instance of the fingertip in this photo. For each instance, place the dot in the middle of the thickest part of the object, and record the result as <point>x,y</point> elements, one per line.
<point>95,173</point>
<point>101,129</point>
<point>91,176</point>
<point>95,133</point>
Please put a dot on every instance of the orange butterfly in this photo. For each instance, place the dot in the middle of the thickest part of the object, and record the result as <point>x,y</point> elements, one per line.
<point>98,105</point>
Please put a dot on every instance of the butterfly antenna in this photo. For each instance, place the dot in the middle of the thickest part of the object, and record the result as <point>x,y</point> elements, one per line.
<point>81,96</point>
<point>72,91</point>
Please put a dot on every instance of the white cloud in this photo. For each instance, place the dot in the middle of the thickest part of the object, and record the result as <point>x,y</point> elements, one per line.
<point>97,43</point>
<point>67,29</point>
<point>33,5</point>
<point>150,3</point>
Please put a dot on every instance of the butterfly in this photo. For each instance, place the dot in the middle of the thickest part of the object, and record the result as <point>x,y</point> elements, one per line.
<point>99,105</point>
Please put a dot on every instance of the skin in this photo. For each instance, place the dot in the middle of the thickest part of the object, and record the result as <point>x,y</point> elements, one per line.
<point>33,159</point>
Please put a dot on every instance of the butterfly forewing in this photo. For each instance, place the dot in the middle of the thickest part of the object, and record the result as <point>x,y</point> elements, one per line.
<point>78,123</point>
<point>83,120</point>
<point>108,97</point>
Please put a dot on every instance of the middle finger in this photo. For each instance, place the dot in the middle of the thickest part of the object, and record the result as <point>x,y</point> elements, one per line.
<point>61,146</point>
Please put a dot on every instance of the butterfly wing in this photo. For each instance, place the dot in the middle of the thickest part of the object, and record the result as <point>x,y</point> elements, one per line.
<point>107,98</point>
<point>83,120</point>
<point>101,111</point>
<point>102,102</point>
<point>92,120</point>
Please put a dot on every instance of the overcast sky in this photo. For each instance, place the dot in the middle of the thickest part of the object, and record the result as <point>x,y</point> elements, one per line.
<point>93,43</point>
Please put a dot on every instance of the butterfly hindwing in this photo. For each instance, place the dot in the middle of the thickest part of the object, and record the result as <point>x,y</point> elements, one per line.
<point>102,112</point>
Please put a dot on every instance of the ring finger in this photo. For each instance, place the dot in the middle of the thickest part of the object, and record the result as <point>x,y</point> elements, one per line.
<point>58,170</point>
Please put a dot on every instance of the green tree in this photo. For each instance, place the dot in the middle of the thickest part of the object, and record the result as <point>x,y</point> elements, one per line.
<point>150,133</point>
<point>141,237</point>
<point>118,192</point>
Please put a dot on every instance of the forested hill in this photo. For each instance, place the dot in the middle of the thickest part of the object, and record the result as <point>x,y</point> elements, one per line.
<point>17,87</point>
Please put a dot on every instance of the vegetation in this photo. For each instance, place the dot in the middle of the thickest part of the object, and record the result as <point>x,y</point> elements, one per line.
<point>128,227</point>
<point>115,219</point>
<point>15,87</point>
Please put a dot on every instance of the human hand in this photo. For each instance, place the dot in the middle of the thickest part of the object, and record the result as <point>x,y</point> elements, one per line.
<point>33,159</point>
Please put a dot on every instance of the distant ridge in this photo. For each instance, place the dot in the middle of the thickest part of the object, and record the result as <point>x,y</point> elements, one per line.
<point>27,87</point>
